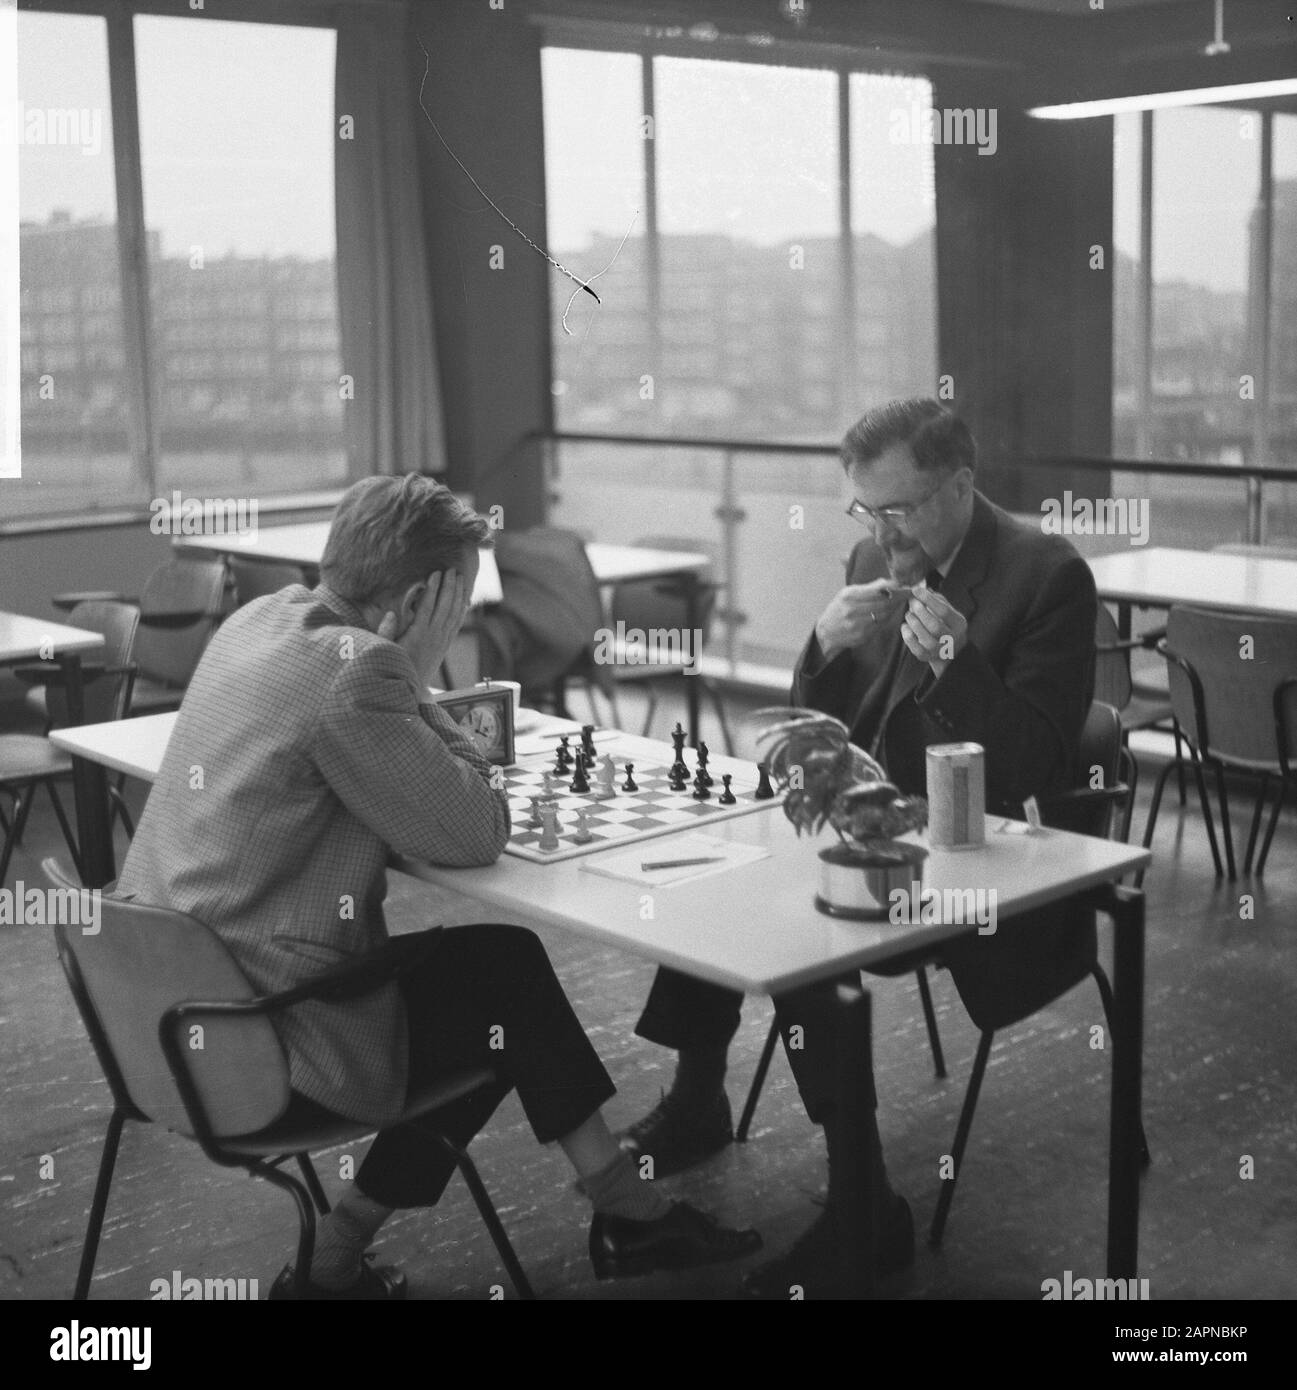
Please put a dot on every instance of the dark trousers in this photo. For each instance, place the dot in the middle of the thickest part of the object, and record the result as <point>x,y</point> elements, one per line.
<point>682,1012</point>
<point>481,985</point>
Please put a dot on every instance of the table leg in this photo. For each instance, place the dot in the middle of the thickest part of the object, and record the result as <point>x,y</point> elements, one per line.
<point>1123,620</point>
<point>90,788</point>
<point>1126,905</point>
<point>854,1180</point>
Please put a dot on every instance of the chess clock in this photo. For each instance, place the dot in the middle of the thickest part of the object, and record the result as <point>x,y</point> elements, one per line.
<point>485,713</point>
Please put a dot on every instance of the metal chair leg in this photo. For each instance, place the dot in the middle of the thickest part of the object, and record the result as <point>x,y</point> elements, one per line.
<point>313,1184</point>
<point>22,807</point>
<point>306,1223</point>
<point>69,838</point>
<point>1256,821</point>
<point>1105,994</point>
<point>122,811</point>
<point>1154,806</point>
<point>947,1196</point>
<point>1280,797</point>
<point>652,708</point>
<point>719,706</point>
<point>1224,819</point>
<point>1179,757</point>
<point>486,1209</point>
<point>98,1205</point>
<point>1207,816</point>
<point>930,1018</point>
<point>758,1081</point>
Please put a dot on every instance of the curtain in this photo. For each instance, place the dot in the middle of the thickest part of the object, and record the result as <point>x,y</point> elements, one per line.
<point>394,419</point>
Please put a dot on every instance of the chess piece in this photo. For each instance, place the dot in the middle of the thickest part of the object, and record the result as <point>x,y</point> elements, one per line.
<point>704,776</point>
<point>580,782</point>
<point>630,784</point>
<point>549,827</point>
<point>701,792</point>
<point>564,755</point>
<point>727,797</point>
<point>549,791</point>
<point>677,779</point>
<point>588,751</point>
<point>534,822</point>
<point>583,835</point>
<point>678,768</point>
<point>607,779</point>
<point>764,790</point>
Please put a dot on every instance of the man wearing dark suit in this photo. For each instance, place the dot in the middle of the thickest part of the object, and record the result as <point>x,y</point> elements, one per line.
<point>957,623</point>
<point>305,753</point>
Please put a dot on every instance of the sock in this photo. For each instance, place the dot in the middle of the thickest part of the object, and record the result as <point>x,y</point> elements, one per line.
<point>700,1076</point>
<point>618,1190</point>
<point>342,1237</point>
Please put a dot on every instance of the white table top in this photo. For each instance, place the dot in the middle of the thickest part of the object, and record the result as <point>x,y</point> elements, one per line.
<point>302,543</point>
<point>1160,577</point>
<point>24,639</point>
<point>754,929</point>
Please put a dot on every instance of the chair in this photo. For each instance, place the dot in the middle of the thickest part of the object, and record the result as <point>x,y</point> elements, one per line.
<point>1043,964</point>
<point>1139,707</point>
<point>661,605</point>
<point>256,578</point>
<point>1238,711</point>
<point>180,607</point>
<point>29,761</point>
<point>143,983</point>
<point>543,633</point>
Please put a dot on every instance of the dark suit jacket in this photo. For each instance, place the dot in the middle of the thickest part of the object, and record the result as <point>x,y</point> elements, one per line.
<point>1021,688</point>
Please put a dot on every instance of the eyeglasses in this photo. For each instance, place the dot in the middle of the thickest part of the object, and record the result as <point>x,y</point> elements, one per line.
<point>898,516</point>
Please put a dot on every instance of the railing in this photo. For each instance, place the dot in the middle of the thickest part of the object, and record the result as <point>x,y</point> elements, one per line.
<point>770,515</point>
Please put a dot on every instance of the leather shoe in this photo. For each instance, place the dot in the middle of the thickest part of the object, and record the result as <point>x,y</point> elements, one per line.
<point>683,1238</point>
<point>811,1264</point>
<point>676,1137</point>
<point>376,1282</point>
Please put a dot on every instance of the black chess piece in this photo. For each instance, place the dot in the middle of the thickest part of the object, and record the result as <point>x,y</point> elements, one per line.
<point>764,790</point>
<point>706,778</point>
<point>701,792</point>
<point>580,782</point>
<point>677,780</point>
<point>564,755</point>
<point>630,784</point>
<point>727,797</point>
<point>587,745</point>
<point>679,768</point>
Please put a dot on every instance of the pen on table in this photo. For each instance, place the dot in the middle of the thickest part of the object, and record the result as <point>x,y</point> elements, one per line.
<point>681,863</point>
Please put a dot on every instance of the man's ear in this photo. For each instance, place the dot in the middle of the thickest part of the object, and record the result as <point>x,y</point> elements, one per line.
<point>410,600</point>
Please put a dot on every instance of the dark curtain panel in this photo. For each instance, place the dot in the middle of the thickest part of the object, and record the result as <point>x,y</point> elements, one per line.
<point>1024,321</point>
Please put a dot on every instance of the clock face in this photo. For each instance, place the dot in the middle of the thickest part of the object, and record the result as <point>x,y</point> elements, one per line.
<point>482,725</point>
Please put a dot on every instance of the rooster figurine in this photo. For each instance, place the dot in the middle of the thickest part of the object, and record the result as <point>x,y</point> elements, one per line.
<point>827,779</point>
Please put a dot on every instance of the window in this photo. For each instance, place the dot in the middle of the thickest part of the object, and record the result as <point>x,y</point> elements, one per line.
<point>238,382</point>
<point>731,293</point>
<point>76,452</point>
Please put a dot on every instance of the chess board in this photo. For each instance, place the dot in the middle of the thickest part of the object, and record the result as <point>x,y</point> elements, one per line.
<point>640,815</point>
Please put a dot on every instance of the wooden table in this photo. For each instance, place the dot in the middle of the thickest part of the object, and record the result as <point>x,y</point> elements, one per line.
<point>1161,577</point>
<point>33,639</point>
<point>758,931</point>
<point>303,544</point>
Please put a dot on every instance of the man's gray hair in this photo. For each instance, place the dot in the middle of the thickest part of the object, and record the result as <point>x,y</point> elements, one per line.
<point>389,533</point>
<point>938,439</point>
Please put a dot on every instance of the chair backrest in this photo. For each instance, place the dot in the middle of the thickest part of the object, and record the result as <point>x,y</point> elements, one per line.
<point>1098,765</point>
<point>1238,661</point>
<point>256,578</point>
<point>551,593</point>
<point>650,603</point>
<point>1111,665</point>
<point>125,976</point>
<point>170,654</point>
<point>105,697</point>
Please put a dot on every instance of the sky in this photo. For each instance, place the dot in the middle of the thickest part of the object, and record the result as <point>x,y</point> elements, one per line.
<point>237,131</point>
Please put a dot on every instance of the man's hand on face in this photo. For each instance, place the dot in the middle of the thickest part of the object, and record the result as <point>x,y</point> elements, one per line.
<point>438,617</point>
<point>934,630</point>
<point>855,611</point>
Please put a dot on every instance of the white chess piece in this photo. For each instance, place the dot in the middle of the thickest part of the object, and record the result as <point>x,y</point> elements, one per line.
<point>607,779</point>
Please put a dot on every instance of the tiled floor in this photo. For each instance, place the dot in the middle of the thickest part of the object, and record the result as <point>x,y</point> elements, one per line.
<point>1220,1087</point>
